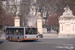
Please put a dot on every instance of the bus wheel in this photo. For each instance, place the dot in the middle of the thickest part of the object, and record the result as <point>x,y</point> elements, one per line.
<point>9,38</point>
<point>18,40</point>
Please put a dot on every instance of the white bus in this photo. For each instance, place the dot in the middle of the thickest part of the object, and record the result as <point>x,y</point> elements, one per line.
<point>21,33</point>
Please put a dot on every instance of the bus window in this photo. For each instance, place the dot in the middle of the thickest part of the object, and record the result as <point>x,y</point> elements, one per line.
<point>7,32</point>
<point>15,31</point>
<point>31,30</point>
<point>22,32</point>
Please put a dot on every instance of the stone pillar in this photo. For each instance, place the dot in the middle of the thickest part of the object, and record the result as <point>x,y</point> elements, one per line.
<point>17,22</point>
<point>39,24</point>
<point>67,24</point>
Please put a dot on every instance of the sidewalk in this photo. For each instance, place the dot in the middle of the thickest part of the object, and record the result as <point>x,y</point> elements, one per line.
<point>52,34</point>
<point>2,36</point>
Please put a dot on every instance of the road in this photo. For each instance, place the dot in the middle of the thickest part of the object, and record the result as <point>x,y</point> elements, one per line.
<point>41,44</point>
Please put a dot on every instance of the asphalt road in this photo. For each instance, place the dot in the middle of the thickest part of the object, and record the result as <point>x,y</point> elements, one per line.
<point>41,44</point>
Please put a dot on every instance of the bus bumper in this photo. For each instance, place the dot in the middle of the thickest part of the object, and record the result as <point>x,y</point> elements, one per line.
<point>22,39</point>
<point>30,38</point>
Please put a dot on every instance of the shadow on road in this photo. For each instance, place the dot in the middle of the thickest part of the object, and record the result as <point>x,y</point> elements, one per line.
<point>31,41</point>
<point>1,42</point>
<point>27,41</point>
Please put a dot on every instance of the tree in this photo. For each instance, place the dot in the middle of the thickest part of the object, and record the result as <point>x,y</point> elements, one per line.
<point>1,12</point>
<point>4,16</point>
<point>47,6</point>
<point>26,11</point>
<point>71,4</point>
<point>11,7</point>
<point>1,9</point>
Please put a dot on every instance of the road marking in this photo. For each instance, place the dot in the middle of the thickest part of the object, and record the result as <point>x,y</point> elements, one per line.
<point>65,46</point>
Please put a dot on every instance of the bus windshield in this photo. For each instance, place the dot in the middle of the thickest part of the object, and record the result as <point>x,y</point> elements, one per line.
<point>31,30</point>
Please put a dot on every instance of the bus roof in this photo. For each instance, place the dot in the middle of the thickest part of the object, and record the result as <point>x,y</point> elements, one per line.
<point>21,27</point>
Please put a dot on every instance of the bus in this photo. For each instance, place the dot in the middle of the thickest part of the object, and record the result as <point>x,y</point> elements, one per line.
<point>21,33</point>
